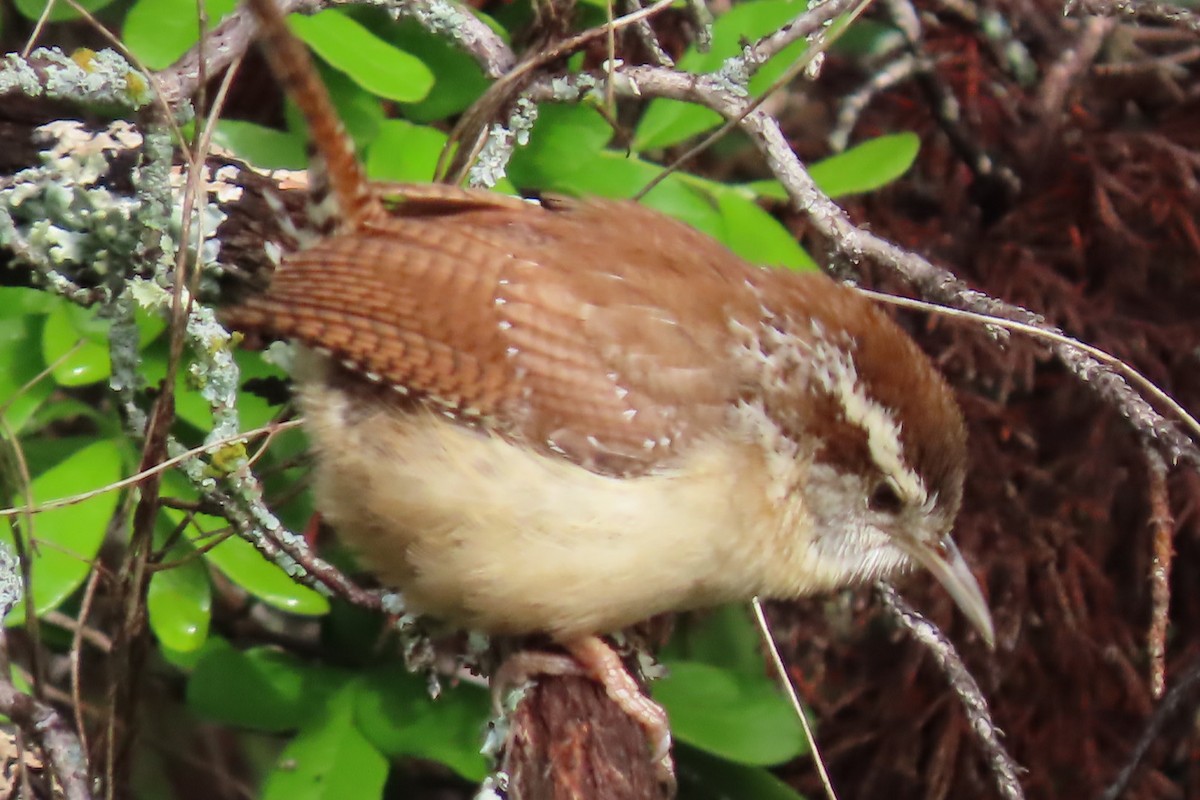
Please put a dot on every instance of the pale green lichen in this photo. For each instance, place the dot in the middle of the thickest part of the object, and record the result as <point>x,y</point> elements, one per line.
<point>735,73</point>
<point>436,16</point>
<point>11,585</point>
<point>124,348</point>
<point>493,159</point>
<point>17,75</point>
<point>88,76</point>
<point>60,218</point>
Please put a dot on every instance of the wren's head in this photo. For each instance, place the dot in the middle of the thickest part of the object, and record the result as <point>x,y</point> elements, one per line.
<point>879,438</point>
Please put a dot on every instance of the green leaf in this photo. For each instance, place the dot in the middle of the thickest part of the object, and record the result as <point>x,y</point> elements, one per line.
<point>21,355</point>
<point>360,111</point>
<point>16,300</point>
<point>394,710</point>
<point>609,173</point>
<point>246,567</point>
<point>459,79</point>
<point>68,538</point>
<point>867,166</point>
<point>404,152</point>
<point>721,211</point>
<point>263,147</point>
<point>32,9</point>
<point>564,141</point>
<point>371,62</point>
<point>668,122</point>
<point>179,599</point>
<point>260,689</point>
<point>758,237</point>
<point>738,718</point>
<point>768,188</point>
<point>76,343</point>
<point>159,31</point>
<point>705,777</point>
<point>722,637</point>
<point>863,168</point>
<point>329,759</point>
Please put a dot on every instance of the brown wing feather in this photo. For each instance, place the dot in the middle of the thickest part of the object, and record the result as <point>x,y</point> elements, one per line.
<point>543,320</point>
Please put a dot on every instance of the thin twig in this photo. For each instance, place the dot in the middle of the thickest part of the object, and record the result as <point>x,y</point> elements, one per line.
<point>812,23</point>
<point>154,470</point>
<point>230,39</point>
<point>1189,681</point>
<point>1145,9</point>
<point>781,670</point>
<point>36,33</point>
<point>1071,63</point>
<point>43,725</point>
<point>1151,388</point>
<point>23,535</point>
<point>1004,770</point>
<point>1163,525</point>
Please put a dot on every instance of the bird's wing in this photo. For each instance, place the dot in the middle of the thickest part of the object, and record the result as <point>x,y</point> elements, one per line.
<point>542,322</point>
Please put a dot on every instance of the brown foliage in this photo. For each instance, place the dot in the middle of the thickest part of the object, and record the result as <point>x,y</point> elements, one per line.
<point>1102,240</point>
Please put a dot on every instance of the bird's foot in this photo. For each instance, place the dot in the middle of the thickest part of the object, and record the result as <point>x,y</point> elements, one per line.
<point>592,657</point>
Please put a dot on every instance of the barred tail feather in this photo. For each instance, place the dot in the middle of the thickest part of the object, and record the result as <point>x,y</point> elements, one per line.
<point>338,188</point>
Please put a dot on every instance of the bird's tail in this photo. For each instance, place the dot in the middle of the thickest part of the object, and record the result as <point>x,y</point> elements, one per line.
<point>340,193</point>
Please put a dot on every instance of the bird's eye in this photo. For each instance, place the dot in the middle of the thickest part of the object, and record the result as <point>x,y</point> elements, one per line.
<point>884,498</point>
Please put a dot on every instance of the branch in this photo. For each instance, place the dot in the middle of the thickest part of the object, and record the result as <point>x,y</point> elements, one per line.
<point>38,721</point>
<point>964,685</point>
<point>569,741</point>
<point>1139,9</point>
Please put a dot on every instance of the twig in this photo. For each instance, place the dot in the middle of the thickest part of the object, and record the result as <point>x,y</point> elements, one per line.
<point>1109,360</point>
<point>43,725</point>
<point>1071,63</point>
<point>1163,526</point>
<point>1189,680</point>
<point>808,22</point>
<point>137,477</point>
<point>854,103</point>
<point>785,681</point>
<point>1144,9</point>
<point>945,107</point>
<point>470,131</point>
<point>1003,768</point>
<point>737,72</point>
<point>649,39</point>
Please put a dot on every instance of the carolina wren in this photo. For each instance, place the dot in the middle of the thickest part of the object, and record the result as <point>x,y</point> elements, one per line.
<point>569,416</point>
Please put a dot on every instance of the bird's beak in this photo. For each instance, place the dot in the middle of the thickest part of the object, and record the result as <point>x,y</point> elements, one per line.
<point>952,572</point>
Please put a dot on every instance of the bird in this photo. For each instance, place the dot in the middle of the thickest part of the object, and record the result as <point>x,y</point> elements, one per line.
<point>566,416</point>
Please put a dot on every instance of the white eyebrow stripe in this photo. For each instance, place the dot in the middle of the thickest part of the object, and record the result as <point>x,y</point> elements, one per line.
<point>825,359</point>
<point>834,370</point>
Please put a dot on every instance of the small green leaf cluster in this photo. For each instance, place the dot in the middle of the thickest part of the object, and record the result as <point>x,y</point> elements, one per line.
<point>347,723</point>
<point>730,720</point>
